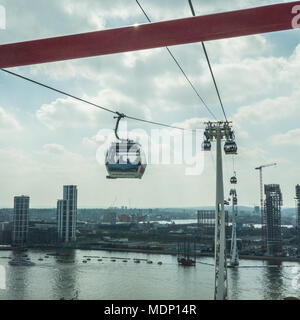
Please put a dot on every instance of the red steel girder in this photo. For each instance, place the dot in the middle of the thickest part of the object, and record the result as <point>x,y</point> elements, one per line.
<point>167,33</point>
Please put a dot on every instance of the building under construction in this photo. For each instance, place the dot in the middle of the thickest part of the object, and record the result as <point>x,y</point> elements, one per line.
<point>298,217</point>
<point>272,218</point>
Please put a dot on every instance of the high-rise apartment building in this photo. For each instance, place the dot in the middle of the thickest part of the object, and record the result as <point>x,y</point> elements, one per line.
<point>67,215</point>
<point>272,212</point>
<point>20,221</point>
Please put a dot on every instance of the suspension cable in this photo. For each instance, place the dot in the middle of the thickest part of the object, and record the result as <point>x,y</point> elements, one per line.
<point>209,65</point>
<point>179,66</point>
<point>233,164</point>
<point>91,103</point>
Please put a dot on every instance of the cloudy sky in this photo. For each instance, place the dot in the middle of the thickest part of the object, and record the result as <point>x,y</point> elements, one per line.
<point>48,140</point>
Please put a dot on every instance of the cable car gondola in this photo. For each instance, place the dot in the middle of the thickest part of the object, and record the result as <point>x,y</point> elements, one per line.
<point>206,145</point>
<point>125,158</point>
<point>233,180</point>
<point>230,147</point>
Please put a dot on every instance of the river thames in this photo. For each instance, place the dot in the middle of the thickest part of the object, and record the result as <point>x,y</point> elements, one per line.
<point>52,278</point>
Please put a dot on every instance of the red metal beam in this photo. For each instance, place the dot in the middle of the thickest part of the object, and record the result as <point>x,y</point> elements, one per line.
<point>168,33</point>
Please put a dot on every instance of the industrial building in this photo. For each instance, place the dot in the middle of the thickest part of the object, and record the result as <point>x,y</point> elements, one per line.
<point>110,217</point>
<point>206,222</point>
<point>272,218</point>
<point>20,221</point>
<point>67,215</point>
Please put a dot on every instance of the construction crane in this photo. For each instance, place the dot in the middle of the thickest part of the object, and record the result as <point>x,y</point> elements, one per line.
<point>262,203</point>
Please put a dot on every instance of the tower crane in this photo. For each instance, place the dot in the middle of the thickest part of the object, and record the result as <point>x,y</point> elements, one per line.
<point>262,202</point>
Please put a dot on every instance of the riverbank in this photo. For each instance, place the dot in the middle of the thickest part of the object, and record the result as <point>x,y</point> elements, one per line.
<point>148,251</point>
<point>267,258</point>
<point>166,252</point>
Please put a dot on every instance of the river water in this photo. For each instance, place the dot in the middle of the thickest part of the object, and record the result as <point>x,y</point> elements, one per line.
<point>53,279</point>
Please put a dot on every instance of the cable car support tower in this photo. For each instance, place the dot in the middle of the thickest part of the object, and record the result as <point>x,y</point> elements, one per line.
<point>217,131</point>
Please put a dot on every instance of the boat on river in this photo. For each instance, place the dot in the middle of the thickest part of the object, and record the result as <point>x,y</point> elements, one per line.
<point>16,262</point>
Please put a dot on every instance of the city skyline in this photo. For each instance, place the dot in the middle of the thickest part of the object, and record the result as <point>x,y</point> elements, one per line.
<point>49,140</point>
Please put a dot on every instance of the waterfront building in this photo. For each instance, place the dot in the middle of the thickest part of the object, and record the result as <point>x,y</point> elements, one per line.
<point>42,233</point>
<point>124,218</point>
<point>272,218</point>
<point>109,216</point>
<point>67,215</point>
<point>20,221</point>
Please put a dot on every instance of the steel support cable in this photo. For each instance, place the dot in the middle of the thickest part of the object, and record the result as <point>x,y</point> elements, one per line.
<point>209,65</point>
<point>179,66</point>
<point>233,163</point>
<point>91,103</point>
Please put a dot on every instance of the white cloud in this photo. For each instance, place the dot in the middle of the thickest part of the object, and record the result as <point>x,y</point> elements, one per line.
<point>93,17</point>
<point>54,148</point>
<point>238,49</point>
<point>67,113</point>
<point>70,113</point>
<point>290,72</point>
<point>130,59</point>
<point>246,79</point>
<point>90,143</point>
<point>98,11</point>
<point>8,122</point>
<point>269,110</point>
<point>291,138</point>
<point>193,123</point>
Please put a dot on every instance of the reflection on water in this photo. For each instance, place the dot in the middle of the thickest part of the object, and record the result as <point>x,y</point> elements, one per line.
<point>233,285</point>
<point>64,284</point>
<point>59,277</point>
<point>17,279</point>
<point>273,280</point>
